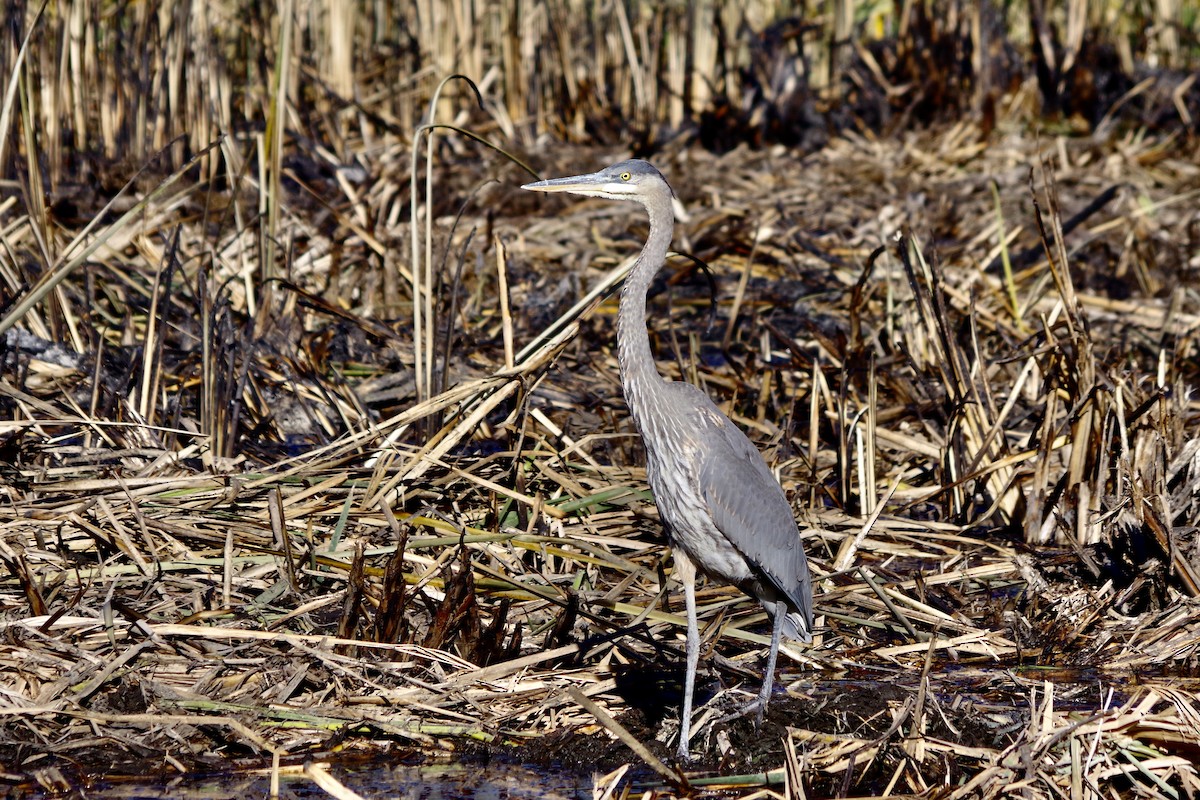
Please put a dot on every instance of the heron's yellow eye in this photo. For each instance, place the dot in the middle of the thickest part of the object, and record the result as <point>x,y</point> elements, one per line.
<point>625,176</point>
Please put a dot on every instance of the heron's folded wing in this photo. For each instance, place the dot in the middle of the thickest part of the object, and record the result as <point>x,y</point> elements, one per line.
<point>749,507</point>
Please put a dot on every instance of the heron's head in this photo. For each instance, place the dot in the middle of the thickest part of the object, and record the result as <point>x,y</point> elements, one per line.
<point>627,180</point>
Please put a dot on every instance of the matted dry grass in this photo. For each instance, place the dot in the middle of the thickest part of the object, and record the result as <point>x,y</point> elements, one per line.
<point>164,603</point>
<point>259,507</point>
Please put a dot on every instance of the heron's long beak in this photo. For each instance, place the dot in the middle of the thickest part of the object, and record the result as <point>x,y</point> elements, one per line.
<point>575,183</point>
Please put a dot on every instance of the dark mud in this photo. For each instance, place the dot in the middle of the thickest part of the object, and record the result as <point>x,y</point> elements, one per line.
<point>966,707</point>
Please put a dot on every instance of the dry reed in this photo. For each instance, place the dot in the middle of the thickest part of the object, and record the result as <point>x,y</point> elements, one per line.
<point>275,489</point>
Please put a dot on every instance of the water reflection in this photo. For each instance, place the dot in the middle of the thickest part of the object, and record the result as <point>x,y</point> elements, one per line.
<point>494,781</point>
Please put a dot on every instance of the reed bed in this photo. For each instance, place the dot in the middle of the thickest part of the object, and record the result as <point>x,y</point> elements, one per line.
<point>292,472</point>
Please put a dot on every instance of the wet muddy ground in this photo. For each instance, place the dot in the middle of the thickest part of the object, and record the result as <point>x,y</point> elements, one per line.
<point>970,707</point>
<point>966,706</point>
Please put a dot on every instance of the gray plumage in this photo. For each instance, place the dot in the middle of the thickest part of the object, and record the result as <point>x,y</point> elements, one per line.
<point>724,512</point>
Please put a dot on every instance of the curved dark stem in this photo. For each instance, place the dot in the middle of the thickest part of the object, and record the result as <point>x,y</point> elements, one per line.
<point>712,287</point>
<point>470,135</point>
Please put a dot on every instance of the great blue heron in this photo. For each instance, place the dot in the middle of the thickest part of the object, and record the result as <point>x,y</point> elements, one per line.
<point>725,514</point>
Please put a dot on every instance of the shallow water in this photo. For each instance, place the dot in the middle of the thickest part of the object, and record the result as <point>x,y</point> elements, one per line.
<point>438,781</point>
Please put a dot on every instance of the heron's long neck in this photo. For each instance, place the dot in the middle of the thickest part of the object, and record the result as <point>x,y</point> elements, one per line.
<point>639,376</point>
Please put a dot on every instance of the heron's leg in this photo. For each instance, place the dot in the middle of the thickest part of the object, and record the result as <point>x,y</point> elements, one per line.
<point>779,615</point>
<point>685,571</point>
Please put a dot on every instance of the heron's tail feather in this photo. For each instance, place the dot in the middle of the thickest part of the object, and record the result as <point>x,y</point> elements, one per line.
<point>795,627</point>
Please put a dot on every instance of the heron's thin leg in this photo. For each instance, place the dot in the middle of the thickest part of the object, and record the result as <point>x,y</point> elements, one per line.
<point>685,572</point>
<point>779,615</point>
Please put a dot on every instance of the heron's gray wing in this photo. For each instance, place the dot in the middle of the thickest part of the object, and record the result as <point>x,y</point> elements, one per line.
<point>749,507</point>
